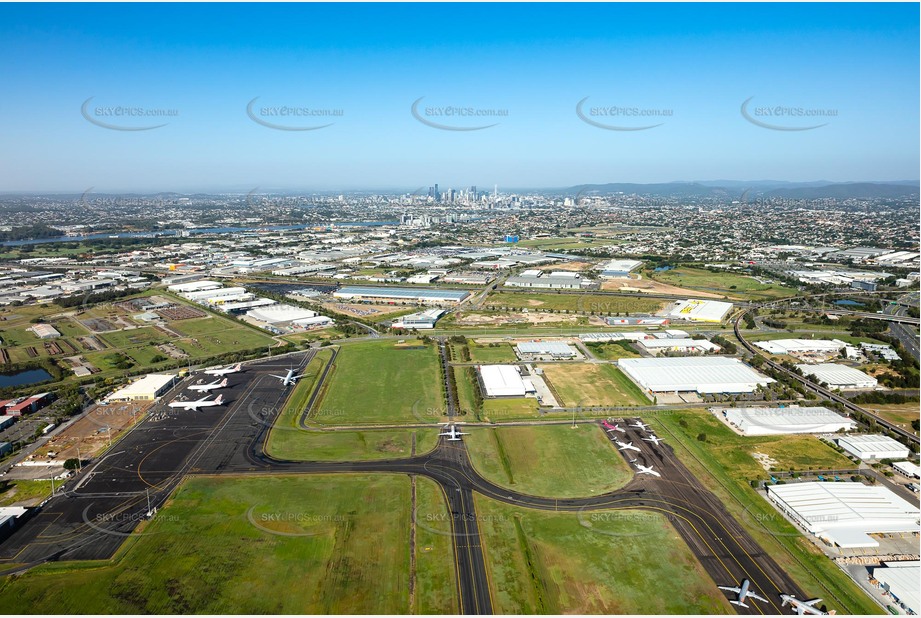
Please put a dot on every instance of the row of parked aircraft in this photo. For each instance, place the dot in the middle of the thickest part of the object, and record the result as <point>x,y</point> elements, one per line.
<point>744,592</point>
<point>628,446</point>
<point>206,401</point>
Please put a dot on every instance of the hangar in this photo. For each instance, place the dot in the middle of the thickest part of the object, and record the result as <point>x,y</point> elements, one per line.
<point>701,374</point>
<point>845,514</point>
<point>147,388</point>
<point>776,421</point>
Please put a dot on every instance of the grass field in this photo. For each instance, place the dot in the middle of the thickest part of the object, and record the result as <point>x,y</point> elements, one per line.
<point>509,409</point>
<point>585,384</point>
<point>591,563</point>
<point>571,462</point>
<point>802,453</point>
<point>579,302</point>
<point>495,353</point>
<point>24,493</point>
<point>724,465</point>
<point>377,382</point>
<point>466,399</point>
<point>612,351</point>
<point>211,335</point>
<point>283,545</point>
<point>903,413</point>
<point>730,284</point>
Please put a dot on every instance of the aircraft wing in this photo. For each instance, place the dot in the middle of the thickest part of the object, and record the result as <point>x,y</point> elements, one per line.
<point>730,589</point>
<point>755,596</point>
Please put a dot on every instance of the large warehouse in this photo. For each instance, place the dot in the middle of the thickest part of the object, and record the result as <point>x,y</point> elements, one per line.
<point>775,421</point>
<point>618,269</point>
<point>147,388</point>
<point>279,313</point>
<point>845,514</point>
<point>704,374</point>
<point>873,446</point>
<point>533,350</point>
<point>900,580</point>
<point>422,295</point>
<point>700,310</point>
<point>798,346</point>
<point>502,381</point>
<point>838,376</point>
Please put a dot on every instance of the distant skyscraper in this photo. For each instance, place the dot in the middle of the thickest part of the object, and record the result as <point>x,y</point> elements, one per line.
<point>437,195</point>
<point>473,193</point>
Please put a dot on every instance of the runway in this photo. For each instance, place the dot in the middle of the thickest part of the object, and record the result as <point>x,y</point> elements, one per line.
<point>92,521</point>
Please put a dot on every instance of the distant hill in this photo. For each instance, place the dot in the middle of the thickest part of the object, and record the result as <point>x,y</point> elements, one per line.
<point>764,188</point>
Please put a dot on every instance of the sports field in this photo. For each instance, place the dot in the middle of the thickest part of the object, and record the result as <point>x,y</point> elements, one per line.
<point>549,460</point>
<point>377,382</point>
<point>591,563</point>
<point>266,545</point>
<point>730,284</point>
<point>585,384</point>
<point>574,302</point>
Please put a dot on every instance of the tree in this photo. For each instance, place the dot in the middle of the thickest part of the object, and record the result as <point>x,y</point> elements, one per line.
<point>702,437</point>
<point>72,464</point>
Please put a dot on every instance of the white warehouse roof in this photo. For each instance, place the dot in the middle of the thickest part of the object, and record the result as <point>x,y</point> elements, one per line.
<point>901,580</point>
<point>554,348</point>
<point>838,376</point>
<point>845,513</point>
<point>148,387</point>
<point>707,374</point>
<point>280,313</point>
<point>502,380</point>
<point>873,446</point>
<point>785,346</point>
<point>700,310</point>
<point>774,421</point>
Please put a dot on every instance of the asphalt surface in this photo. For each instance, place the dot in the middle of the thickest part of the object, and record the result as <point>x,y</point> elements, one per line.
<point>91,521</point>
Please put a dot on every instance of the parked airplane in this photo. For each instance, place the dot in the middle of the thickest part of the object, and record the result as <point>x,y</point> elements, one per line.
<point>625,446</point>
<point>641,469</point>
<point>289,378</point>
<point>209,387</point>
<point>804,607</point>
<point>640,425</point>
<point>743,592</point>
<point>452,433</point>
<point>204,402</point>
<point>224,371</point>
<point>655,440</point>
<point>609,427</point>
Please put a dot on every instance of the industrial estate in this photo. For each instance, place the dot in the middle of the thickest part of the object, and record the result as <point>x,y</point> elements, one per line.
<point>421,416</point>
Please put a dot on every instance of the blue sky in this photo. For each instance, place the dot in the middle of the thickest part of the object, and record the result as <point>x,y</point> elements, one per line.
<point>857,64</point>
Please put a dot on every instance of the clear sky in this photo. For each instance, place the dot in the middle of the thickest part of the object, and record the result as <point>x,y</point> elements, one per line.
<point>855,63</point>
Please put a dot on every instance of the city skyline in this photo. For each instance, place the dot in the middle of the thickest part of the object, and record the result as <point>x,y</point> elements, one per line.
<point>556,97</point>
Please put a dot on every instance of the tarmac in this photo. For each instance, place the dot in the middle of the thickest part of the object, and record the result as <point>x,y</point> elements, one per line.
<point>92,519</point>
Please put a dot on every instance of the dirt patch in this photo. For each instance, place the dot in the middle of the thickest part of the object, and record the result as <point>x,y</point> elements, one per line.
<point>91,433</point>
<point>654,287</point>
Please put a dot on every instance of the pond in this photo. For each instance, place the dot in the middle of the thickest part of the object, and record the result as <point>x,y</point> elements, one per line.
<point>24,378</point>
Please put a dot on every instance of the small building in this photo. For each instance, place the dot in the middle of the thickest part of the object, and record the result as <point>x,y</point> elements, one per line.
<point>45,331</point>
<point>148,388</point>
<point>873,446</point>
<point>6,421</point>
<point>10,518</point>
<point>5,449</point>
<point>908,469</point>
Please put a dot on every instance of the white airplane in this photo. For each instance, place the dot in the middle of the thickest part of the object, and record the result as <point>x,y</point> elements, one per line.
<point>289,378</point>
<point>609,427</point>
<point>204,402</point>
<point>654,439</point>
<point>640,425</point>
<point>625,446</point>
<point>804,607</point>
<point>209,387</point>
<point>224,371</point>
<point>641,469</point>
<point>743,592</point>
<point>452,433</point>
